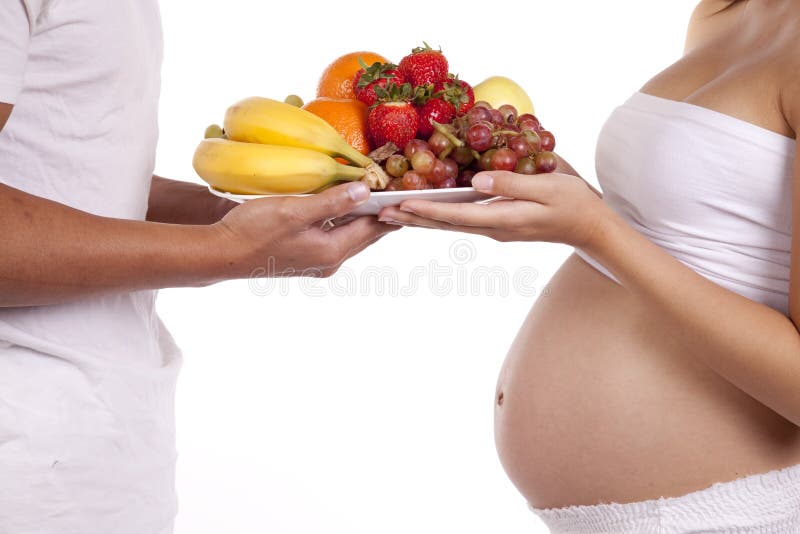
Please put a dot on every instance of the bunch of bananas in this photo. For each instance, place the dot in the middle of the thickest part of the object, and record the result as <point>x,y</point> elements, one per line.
<point>271,147</point>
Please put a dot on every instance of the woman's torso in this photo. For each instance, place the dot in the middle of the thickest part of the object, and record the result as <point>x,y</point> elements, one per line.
<point>607,408</point>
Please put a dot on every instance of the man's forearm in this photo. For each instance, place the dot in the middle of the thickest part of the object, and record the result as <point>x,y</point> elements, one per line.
<point>52,253</point>
<point>177,202</point>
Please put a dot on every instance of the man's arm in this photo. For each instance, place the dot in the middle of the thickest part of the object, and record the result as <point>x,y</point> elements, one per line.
<point>5,113</point>
<point>53,253</point>
<point>177,202</point>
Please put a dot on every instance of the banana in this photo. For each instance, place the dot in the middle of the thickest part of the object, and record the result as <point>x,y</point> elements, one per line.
<point>252,168</point>
<point>270,122</point>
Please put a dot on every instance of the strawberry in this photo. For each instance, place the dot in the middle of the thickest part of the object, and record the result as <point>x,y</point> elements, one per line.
<point>367,78</point>
<point>393,118</point>
<point>458,93</point>
<point>434,109</point>
<point>424,66</point>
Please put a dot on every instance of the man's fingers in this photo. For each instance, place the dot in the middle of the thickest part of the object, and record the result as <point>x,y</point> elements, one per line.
<point>334,202</point>
<point>538,187</point>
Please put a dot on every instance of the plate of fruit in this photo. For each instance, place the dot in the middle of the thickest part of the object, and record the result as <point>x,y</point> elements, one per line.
<point>408,130</point>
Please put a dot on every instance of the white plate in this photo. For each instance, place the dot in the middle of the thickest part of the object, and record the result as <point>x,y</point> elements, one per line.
<point>381,199</point>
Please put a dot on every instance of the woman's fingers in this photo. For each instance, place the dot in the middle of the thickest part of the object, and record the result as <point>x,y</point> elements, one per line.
<point>538,187</point>
<point>396,216</point>
<point>455,213</point>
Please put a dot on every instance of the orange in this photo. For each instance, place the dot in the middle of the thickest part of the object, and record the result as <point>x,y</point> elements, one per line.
<point>337,79</point>
<point>347,116</point>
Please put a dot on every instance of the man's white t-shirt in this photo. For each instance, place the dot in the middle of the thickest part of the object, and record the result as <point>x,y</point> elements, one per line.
<point>86,388</point>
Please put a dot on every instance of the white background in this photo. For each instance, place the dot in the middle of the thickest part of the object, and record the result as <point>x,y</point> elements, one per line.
<point>365,410</point>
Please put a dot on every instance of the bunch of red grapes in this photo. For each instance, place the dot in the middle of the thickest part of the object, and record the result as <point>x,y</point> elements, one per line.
<point>483,139</point>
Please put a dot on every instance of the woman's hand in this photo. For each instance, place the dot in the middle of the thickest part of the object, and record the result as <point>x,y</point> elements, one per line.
<point>554,207</point>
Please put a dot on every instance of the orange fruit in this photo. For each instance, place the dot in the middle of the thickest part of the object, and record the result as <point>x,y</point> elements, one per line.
<point>337,79</point>
<point>347,116</point>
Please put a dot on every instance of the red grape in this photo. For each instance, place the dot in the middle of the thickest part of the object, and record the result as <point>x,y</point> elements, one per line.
<point>447,184</point>
<point>519,145</point>
<point>504,159</point>
<point>462,155</point>
<point>396,184</point>
<point>497,117</point>
<point>485,163</point>
<point>528,121</point>
<point>423,161</point>
<point>509,113</point>
<point>482,104</point>
<point>479,137</point>
<point>548,141</point>
<point>545,162</point>
<point>534,141</point>
<point>415,145</point>
<point>396,165</point>
<point>477,114</point>
<point>465,178</point>
<point>452,168</point>
<point>439,173</point>
<point>413,181</point>
<point>439,143</point>
<point>525,166</point>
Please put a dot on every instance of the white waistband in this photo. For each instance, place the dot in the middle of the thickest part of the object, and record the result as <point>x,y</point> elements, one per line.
<point>765,503</point>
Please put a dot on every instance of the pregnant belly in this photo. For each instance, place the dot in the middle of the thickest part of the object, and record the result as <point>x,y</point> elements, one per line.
<point>596,402</point>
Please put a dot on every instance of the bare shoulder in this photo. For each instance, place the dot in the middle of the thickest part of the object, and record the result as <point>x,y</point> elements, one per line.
<point>789,62</point>
<point>709,20</point>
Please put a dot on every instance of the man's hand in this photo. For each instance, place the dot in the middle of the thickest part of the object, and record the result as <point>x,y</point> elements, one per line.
<point>285,236</point>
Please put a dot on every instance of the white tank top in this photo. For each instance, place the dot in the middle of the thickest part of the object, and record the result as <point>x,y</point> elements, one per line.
<point>86,388</point>
<point>712,190</point>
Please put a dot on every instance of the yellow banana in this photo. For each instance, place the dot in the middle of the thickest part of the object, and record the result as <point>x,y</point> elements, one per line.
<point>270,122</point>
<point>267,121</point>
<point>251,168</point>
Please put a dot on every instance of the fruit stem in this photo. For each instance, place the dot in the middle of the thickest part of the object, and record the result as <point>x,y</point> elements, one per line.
<point>354,156</point>
<point>439,127</point>
<point>350,173</point>
<point>375,177</point>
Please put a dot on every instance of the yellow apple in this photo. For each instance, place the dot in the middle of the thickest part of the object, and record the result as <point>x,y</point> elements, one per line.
<point>499,90</point>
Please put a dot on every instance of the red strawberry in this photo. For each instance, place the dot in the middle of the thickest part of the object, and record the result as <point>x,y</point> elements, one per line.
<point>424,66</point>
<point>458,93</point>
<point>367,78</point>
<point>393,118</point>
<point>437,110</point>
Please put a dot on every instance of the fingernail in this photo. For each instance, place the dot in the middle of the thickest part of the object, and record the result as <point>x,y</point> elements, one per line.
<point>387,220</point>
<point>482,182</point>
<point>358,191</point>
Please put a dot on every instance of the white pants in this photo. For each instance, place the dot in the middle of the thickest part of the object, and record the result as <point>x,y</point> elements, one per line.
<point>767,503</point>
